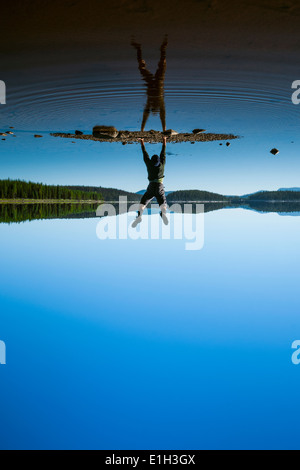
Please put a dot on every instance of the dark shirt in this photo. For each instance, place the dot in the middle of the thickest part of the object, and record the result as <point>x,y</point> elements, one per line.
<point>155,173</point>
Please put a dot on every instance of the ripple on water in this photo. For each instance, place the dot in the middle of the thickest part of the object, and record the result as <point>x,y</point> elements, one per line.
<point>60,103</point>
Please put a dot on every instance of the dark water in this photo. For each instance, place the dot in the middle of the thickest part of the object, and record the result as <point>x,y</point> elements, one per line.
<point>253,104</point>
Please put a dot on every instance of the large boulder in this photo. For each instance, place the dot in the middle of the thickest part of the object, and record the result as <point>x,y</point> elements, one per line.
<point>105,132</point>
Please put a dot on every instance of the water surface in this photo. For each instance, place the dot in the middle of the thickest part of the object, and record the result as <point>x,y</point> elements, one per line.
<point>142,344</point>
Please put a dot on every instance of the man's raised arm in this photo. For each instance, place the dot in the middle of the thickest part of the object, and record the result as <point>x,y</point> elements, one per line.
<point>163,151</point>
<point>145,154</point>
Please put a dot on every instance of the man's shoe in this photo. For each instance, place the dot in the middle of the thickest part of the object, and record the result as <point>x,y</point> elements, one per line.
<point>165,218</point>
<point>137,221</point>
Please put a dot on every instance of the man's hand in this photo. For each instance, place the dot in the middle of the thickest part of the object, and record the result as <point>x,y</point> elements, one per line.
<point>165,140</point>
<point>134,43</point>
<point>165,42</point>
<point>142,142</point>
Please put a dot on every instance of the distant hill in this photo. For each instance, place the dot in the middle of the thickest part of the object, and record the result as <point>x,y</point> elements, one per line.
<point>206,196</point>
<point>251,194</point>
<point>142,192</point>
<point>275,196</point>
<point>109,194</point>
<point>269,192</point>
<point>289,189</point>
<point>195,195</point>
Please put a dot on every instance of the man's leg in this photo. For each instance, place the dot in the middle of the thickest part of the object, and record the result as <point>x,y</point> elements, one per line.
<point>146,199</point>
<point>162,201</point>
<point>146,74</point>
<point>160,77</point>
<point>163,115</point>
<point>145,117</point>
<point>162,64</point>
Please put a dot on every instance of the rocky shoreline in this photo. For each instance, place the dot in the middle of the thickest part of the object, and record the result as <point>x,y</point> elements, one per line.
<point>127,137</point>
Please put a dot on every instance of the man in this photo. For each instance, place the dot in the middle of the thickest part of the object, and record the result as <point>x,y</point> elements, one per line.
<point>155,85</point>
<point>156,170</point>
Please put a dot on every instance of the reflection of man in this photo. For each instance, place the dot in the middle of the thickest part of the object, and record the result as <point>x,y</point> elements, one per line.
<point>156,174</point>
<point>155,85</point>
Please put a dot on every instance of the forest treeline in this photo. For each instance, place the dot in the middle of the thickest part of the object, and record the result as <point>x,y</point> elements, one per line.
<point>17,189</point>
<point>14,213</point>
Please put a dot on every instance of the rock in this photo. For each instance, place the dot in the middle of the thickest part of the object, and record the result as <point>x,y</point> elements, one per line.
<point>198,131</point>
<point>2,134</point>
<point>9,133</point>
<point>228,144</point>
<point>78,133</point>
<point>170,133</point>
<point>38,136</point>
<point>135,136</point>
<point>105,132</point>
<point>3,139</point>
<point>123,134</point>
<point>274,152</point>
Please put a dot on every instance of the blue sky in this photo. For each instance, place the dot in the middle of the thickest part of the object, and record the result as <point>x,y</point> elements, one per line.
<point>245,167</point>
<point>104,353</point>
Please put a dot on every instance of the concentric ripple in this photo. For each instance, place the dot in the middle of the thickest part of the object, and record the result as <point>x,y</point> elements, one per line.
<point>84,101</point>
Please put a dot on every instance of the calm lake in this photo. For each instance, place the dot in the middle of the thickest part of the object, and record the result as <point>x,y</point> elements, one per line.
<point>143,344</point>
